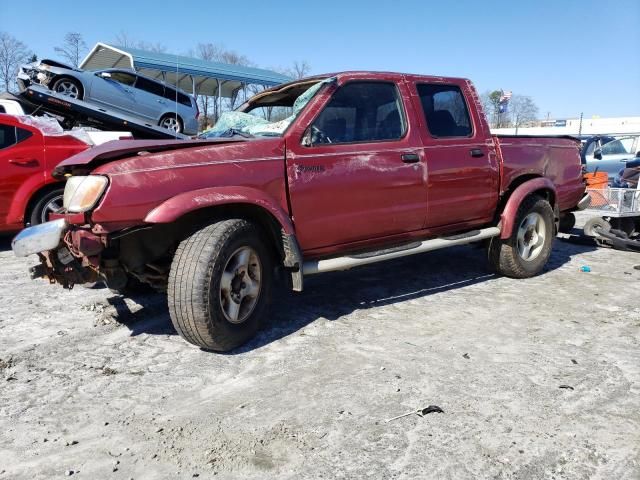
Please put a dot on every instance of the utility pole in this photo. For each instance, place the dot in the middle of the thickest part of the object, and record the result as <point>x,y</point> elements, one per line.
<point>580,128</point>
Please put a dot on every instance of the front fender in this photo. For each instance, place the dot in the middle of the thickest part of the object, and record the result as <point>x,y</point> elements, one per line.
<point>175,207</point>
<point>508,216</point>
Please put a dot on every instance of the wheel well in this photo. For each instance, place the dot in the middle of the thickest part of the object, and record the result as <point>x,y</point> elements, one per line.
<point>37,196</point>
<point>547,194</point>
<point>154,245</point>
<point>60,77</point>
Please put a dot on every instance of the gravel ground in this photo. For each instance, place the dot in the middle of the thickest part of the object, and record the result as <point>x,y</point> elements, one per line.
<point>537,378</point>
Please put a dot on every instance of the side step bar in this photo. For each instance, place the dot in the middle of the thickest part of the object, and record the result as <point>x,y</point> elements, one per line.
<point>345,263</point>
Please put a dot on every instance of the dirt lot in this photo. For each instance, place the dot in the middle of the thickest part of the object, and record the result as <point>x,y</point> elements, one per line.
<point>95,386</point>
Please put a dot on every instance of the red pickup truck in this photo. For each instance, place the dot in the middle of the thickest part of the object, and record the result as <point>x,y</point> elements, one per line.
<point>321,174</point>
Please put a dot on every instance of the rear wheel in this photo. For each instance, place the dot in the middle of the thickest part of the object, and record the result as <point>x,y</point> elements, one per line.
<point>68,87</point>
<point>171,122</point>
<point>219,285</point>
<point>49,203</point>
<point>525,253</point>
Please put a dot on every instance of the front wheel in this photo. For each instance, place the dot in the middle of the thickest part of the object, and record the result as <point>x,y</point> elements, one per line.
<point>68,87</point>
<point>219,285</point>
<point>525,253</point>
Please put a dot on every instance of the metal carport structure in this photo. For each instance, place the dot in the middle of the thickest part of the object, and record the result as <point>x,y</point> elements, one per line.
<point>201,77</point>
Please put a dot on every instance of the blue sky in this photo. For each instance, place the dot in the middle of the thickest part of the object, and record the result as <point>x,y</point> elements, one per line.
<point>570,56</point>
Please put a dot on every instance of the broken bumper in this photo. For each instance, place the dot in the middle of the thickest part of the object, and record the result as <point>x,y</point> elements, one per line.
<point>39,238</point>
<point>585,202</point>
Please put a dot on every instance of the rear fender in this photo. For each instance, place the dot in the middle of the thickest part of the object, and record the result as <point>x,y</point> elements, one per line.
<point>508,216</point>
<point>176,207</point>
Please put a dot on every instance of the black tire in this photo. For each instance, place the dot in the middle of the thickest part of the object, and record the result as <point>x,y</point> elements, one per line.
<point>567,222</point>
<point>172,117</point>
<point>195,292</point>
<point>43,206</point>
<point>63,81</point>
<point>594,224</point>
<point>624,224</point>
<point>505,256</point>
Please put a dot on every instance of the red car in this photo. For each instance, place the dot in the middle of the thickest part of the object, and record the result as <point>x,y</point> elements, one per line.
<point>28,192</point>
<point>324,173</point>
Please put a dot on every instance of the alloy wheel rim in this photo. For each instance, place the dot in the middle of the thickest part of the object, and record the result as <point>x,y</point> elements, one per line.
<point>68,89</point>
<point>52,206</point>
<point>171,123</point>
<point>532,233</point>
<point>240,285</point>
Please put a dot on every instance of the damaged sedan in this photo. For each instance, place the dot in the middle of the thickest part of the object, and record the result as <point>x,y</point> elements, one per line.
<point>120,90</point>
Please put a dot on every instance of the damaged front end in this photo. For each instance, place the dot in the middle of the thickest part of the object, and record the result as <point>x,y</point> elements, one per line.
<point>68,255</point>
<point>39,73</point>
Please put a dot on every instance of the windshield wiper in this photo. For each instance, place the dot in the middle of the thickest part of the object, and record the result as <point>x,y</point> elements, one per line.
<point>232,132</point>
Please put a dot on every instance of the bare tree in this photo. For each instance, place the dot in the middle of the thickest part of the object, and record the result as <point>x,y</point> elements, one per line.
<point>123,39</point>
<point>12,54</point>
<point>151,47</point>
<point>522,109</point>
<point>300,69</point>
<point>73,48</point>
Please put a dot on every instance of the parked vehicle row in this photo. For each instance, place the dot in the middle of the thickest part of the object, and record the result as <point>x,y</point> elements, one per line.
<point>117,89</point>
<point>367,167</point>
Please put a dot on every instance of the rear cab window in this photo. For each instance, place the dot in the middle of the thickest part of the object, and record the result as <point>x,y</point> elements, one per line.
<point>361,111</point>
<point>445,110</point>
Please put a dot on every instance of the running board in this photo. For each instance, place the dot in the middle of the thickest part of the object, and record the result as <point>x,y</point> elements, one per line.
<point>345,263</point>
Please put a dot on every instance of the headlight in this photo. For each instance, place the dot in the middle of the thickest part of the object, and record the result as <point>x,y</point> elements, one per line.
<point>81,193</point>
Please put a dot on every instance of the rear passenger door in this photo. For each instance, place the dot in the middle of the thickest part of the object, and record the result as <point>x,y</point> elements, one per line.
<point>462,170</point>
<point>149,98</point>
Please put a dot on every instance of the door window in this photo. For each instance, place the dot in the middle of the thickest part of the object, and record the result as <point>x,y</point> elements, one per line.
<point>123,77</point>
<point>150,86</point>
<point>7,136</point>
<point>361,112</point>
<point>445,110</point>
<point>618,147</point>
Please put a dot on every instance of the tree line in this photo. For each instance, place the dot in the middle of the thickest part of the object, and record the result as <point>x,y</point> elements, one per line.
<point>520,109</point>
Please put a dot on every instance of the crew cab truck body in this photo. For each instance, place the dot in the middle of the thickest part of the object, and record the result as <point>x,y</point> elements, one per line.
<point>357,167</point>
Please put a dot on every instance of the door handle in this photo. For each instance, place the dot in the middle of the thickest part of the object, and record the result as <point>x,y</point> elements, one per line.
<point>476,152</point>
<point>410,157</point>
<point>24,162</point>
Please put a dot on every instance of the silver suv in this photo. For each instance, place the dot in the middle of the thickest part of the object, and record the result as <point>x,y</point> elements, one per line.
<point>122,90</point>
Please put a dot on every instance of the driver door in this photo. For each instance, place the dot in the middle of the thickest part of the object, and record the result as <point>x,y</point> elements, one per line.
<point>358,174</point>
<point>115,90</point>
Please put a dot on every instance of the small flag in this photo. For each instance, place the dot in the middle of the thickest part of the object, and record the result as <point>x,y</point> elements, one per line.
<point>505,97</point>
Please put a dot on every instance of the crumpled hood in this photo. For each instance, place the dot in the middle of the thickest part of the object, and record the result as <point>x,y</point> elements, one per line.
<point>119,149</point>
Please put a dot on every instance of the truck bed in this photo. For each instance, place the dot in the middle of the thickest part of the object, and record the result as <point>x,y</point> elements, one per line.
<point>553,157</point>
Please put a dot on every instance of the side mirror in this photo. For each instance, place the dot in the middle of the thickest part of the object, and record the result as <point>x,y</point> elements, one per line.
<point>307,140</point>
<point>597,154</point>
<point>104,75</point>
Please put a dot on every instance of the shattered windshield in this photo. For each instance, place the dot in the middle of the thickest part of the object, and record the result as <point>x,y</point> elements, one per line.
<point>266,115</point>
